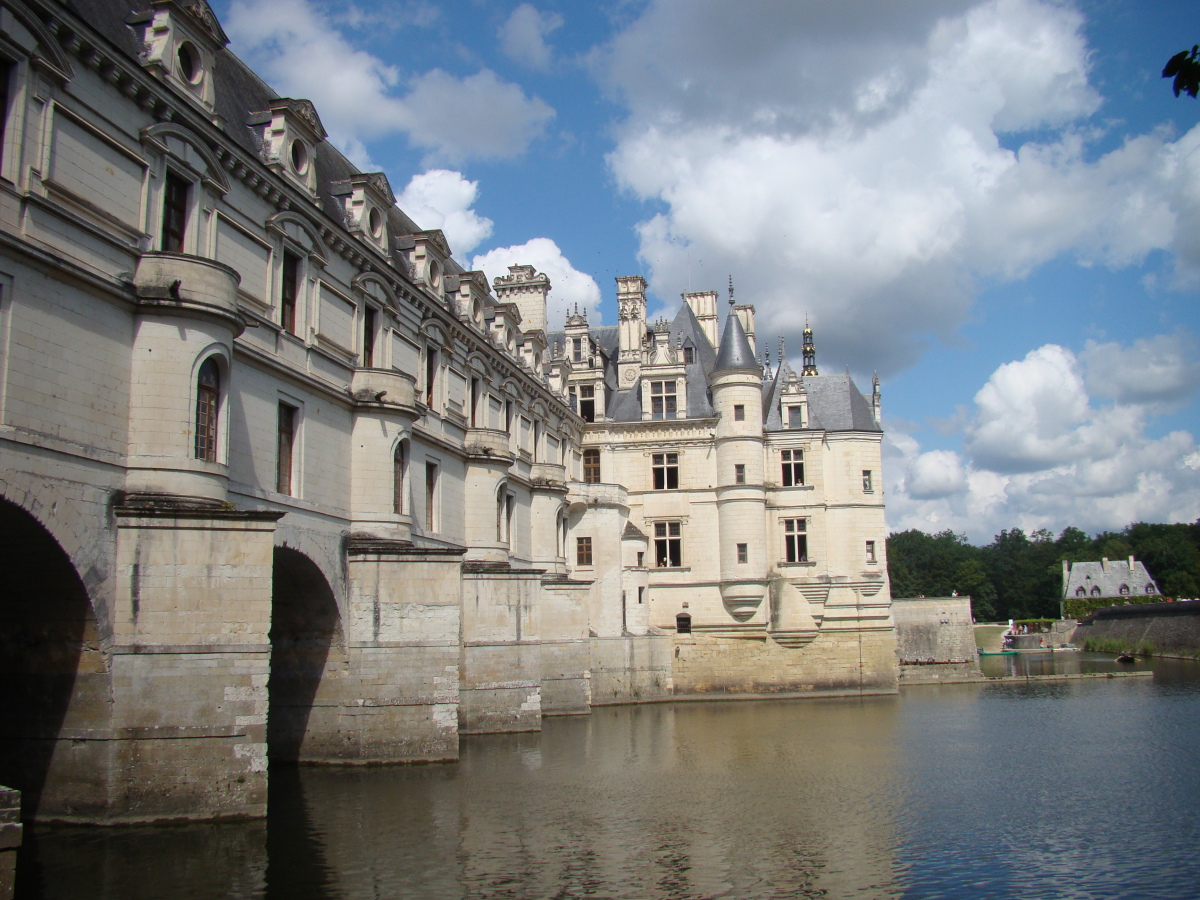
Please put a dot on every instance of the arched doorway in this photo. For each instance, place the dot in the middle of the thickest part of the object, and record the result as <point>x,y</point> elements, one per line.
<point>55,678</point>
<point>306,640</point>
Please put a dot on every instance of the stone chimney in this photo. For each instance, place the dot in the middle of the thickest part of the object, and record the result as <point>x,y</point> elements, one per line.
<point>704,306</point>
<point>631,313</point>
<point>745,313</point>
<point>527,289</point>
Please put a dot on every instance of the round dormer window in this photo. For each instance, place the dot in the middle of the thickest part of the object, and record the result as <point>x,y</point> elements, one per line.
<point>299,156</point>
<point>375,221</point>
<point>476,311</point>
<point>190,68</point>
<point>435,273</point>
<point>509,340</point>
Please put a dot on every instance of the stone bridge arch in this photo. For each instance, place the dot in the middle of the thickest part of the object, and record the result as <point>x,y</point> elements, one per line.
<point>308,660</point>
<point>55,707</point>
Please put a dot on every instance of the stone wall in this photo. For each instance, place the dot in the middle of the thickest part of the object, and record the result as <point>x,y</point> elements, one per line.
<point>936,638</point>
<point>631,669</point>
<point>10,839</point>
<point>1172,628</point>
<point>836,662</point>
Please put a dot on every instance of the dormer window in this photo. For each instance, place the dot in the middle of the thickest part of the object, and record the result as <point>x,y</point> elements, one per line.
<point>367,199</point>
<point>181,41</point>
<point>291,130</point>
<point>428,254</point>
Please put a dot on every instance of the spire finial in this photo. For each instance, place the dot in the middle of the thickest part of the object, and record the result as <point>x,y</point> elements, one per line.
<point>731,290</point>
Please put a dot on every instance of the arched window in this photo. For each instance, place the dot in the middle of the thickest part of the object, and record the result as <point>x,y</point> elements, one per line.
<point>683,624</point>
<point>1080,592</point>
<point>1096,591</point>
<point>1149,589</point>
<point>1124,590</point>
<point>208,402</point>
<point>399,470</point>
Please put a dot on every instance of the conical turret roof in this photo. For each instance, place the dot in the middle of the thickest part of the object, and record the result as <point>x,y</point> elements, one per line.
<point>735,351</point>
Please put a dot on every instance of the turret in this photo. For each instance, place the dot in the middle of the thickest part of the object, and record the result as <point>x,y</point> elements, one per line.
<point>631,313</point>
<point>810,352</point>
<point>736,383</point>
<point>527,289</point>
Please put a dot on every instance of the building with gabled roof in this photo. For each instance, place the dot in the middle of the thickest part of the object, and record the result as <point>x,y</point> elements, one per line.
<point>1107,578</point>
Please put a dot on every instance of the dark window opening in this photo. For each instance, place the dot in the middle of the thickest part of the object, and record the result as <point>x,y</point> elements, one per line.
<point>431,473</point>
<point>175,204</point>
<point>587,402</point>
<point>398,463</point>
<point>689,355</point>
<point>795,540</point>
<point>285,448</point>
<point>368,346</point>
<point>668,545</point>
<point>793,468</point>
<point>591,465</point>
<point>683,624</point>
<point>208,398</point>
<point>662,400</point>
<point>739,413</point>
<point>739,473</point>
<point>431,367</point>
<point>743,553</point>
<point>665,468</point>
<point>290,291</point>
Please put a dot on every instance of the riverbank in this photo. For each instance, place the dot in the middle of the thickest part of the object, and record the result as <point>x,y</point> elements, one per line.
<point>1026,679</point>
<point>1169,629</point>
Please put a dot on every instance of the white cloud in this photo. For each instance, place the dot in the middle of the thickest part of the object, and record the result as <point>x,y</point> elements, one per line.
<point>1040,453</point>
<point>568,286</point>
<point>442,199</point>
<point>299,50</point>
<point>848,162</point>
<point>523,36</point>
<point>1161,369</point>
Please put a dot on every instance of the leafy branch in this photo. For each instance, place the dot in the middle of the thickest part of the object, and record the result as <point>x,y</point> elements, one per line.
<point>1184,67</point>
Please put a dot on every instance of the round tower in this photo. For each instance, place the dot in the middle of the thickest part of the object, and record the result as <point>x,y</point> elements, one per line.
<point>736,383</point>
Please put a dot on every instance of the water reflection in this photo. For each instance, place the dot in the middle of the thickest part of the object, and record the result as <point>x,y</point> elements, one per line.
<point>1039,789</point>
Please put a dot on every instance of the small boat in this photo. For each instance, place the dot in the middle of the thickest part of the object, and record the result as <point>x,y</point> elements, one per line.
<point>983,652</point>
<point>1126,658</point>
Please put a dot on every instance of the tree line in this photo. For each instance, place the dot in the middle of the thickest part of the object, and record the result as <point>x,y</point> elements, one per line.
<point>1019,576</point>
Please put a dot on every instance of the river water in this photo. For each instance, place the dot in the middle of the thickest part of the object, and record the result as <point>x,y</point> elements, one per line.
<point>1067,789</point>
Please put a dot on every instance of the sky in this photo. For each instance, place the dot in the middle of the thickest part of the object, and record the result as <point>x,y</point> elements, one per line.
<point>993,204</point>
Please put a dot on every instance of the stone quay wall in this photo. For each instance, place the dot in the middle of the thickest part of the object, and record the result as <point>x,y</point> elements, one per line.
<point>1172,628</point>
<point>935,637</point>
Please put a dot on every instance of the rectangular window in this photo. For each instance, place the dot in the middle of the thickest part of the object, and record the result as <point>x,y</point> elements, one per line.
<point>431,476</point>
<point>867,488</point>
<point>368,341</point>
<point>668,545</point>
<point>583,551</point>
<point>793,468</point>
<point>739,473</point>
<point>743,553</point>
<point>641,559</point>
<point>285,449</point>
<point>665,468</point>
<point>577,349</point>
<point>587,402</point>
<point>175,207</point>
<point>591,465</point>
<point>662,400</point>
<point>739,413</point>
<point>689,355</point>
<point>289,292</point>
<point>6,69</point>
<point>795,417</point>
<point>398,467</point>
<point>870,551</point>
<point>431,368</point>
<point>795,540</point>
<point>475,393</point>
<point>641,595</point>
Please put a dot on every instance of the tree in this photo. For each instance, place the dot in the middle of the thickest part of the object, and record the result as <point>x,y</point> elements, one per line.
<point>1184,67</point>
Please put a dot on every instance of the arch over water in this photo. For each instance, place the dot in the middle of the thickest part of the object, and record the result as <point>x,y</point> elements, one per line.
<point>306,639</point>
<point>55,678</point>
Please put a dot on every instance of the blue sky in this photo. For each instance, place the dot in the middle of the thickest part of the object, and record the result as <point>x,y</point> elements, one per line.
<point>995,205</point>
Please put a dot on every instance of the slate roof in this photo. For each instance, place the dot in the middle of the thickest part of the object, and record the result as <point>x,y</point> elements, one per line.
<point>736,352</point>
<point>1106,577</point>
<point>240,93</point>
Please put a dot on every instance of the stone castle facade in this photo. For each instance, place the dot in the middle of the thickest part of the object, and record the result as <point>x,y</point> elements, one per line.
<point>280,480</point>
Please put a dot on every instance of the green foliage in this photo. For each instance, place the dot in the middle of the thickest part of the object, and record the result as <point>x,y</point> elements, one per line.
<point>1078,607</point>
<point>1184,67</point>
<point>1019,576</point>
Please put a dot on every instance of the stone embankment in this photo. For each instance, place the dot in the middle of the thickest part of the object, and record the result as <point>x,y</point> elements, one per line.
<point>935,639</point>
<point>10,839</point>
<point>1172,629</point>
